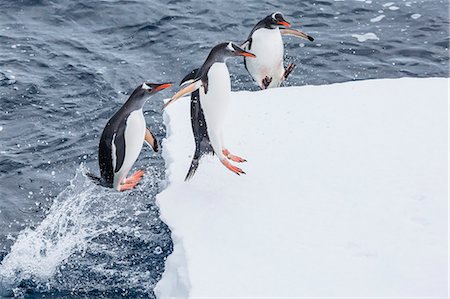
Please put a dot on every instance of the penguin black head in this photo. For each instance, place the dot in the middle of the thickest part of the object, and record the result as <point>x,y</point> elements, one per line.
<point>218,54</point>
<point>144,91</point>
<point>275,20</point>
<point>234,50</point>
<point>226,50</point>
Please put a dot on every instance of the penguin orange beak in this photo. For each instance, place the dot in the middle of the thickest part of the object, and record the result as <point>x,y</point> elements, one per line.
<point>241,52</point>
<point>246,54</point>
<point>162,86</point>
<point>238,51</point>
<point>284,23</point>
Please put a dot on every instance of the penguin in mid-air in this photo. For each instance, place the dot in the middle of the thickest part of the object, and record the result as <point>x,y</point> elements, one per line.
<point>122,140</point>
<point>266,43</point>
<point>212,81</point>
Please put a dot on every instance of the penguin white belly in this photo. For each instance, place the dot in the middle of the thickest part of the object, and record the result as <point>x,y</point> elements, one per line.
<point>215,103</point>
<point>268,47</point>
<point>134,138</point>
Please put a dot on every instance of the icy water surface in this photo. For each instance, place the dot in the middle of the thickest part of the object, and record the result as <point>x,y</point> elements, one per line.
<point>66,66</point>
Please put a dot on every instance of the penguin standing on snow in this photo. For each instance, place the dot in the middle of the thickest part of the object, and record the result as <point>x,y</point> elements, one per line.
<point>212,81</point>
<point>122,140</point>
<point>266,43</point>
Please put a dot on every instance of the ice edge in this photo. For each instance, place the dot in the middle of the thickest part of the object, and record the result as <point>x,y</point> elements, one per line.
<point>174,282</point>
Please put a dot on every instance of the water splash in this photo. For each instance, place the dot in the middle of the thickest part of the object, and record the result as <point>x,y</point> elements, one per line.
<point>92,240</point>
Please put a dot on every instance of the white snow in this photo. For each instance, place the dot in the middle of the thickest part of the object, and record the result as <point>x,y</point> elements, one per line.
<point>345,195</point>
<point>416,16</point>
<point>366,36</point>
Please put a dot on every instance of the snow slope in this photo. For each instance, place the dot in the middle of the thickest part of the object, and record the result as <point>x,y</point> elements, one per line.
<point>345,195</point>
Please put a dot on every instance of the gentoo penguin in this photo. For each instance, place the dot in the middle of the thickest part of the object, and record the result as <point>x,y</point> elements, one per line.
<point>122,140</point>
<point>212,81</point>
<point>266,43</point>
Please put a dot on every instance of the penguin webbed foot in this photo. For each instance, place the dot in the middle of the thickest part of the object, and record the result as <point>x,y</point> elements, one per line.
<point>125,187</point>
<point>134,178</point>
<point>131,182</point>
<point>266,82</point>
<point>231,167</point>
<point>233,157</point>
<point>289,70</point>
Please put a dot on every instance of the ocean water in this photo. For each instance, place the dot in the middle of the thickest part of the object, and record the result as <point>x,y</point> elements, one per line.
<point>67,66</point>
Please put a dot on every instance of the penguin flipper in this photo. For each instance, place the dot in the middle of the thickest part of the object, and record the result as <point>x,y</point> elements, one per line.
<point>247,43</point>
<point>205,84</point>
<point>196,84</point>
<point>151,140</point>
<point>119,142</point>
<point>189,78</point>
<point>293,32</point>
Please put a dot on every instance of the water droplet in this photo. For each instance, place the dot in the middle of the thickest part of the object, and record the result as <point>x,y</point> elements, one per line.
<point>157,250</point>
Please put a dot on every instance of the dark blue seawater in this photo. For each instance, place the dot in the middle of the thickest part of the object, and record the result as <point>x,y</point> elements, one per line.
<point>67,66</point>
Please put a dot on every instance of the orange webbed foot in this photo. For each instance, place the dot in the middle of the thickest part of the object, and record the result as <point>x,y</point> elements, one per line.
<point>233,157</point>
<point>231,167</point>
<point>125,187</point>
<point>236,158</point>
<point>134,178</point>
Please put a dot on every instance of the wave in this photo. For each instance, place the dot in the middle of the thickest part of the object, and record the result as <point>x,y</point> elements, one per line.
<point>92,240</point>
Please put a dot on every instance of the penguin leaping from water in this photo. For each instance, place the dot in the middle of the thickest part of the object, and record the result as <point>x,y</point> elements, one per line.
<point>266,43</point>
<point>212,81</point>
<point>122,140</point>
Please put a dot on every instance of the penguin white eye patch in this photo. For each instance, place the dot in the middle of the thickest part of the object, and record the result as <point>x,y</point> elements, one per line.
<point>274,14</point>
<point>145,86</point>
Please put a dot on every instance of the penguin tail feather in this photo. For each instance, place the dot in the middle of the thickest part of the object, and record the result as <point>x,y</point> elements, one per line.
<point>94,178</point>
<point>192,169</point>
<point>206,149</point>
